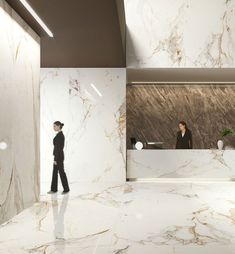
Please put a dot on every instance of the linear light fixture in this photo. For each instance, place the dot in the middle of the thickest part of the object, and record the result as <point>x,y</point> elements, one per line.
<point>37,18</point>
<point>96,90</point>
<point>182,180</point>
<point>180,82</point>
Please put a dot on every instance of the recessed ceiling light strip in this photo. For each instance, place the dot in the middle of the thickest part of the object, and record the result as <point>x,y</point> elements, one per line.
<point>37,18</point>
<point>179,82</point>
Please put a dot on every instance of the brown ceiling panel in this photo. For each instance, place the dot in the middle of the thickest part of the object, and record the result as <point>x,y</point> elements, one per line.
<point>87,33</point>
<point>122,22</point>
<point>166,75</point>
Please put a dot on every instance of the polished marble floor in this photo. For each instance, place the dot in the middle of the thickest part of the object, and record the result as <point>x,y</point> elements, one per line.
<point>166,218</point>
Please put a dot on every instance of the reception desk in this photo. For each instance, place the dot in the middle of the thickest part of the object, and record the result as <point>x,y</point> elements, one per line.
<point>196,164</point>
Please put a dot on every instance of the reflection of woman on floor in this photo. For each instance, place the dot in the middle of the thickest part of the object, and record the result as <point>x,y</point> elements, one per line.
<point>58,166</point>
<point>184,137</point>
<point>58,215</point>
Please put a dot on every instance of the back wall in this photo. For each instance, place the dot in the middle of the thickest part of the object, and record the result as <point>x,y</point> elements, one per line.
<point>153,113</point>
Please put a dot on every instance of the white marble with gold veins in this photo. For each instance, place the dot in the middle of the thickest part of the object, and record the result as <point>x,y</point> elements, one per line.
<point>19,113</point>
<point>134,218</point>
<point>91,103</point>
<point>181,164</point>
<point>180,33</point>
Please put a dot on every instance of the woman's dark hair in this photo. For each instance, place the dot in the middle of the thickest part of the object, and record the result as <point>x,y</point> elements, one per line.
<point>58,123</point>
<point>184,124</point>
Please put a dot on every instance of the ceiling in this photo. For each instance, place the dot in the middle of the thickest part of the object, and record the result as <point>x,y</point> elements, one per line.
<point>168,75</point>
<point>87,33</point>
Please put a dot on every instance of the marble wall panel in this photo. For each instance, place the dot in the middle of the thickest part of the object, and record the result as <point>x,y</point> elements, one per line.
<point>180,33</point>
<point>153,113</point>
<point>91,103</point>
<point>19,113</point>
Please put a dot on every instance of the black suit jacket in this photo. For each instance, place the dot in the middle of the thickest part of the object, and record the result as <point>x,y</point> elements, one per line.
<point>58,143</point>
<point>185,142</point>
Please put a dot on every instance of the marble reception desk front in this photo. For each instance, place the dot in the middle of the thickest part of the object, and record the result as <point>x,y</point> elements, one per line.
<point>201,164</point>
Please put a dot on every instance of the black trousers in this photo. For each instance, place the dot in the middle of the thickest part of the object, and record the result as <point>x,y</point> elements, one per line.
<point>59,168</point>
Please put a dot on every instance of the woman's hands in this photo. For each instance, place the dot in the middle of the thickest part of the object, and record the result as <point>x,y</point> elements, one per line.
<point>55,163</point>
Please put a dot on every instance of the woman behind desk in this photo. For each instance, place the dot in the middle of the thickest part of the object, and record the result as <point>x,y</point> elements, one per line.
<point>184,137</point>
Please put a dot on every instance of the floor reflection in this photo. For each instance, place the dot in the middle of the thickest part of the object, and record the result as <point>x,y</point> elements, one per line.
<point>133,218</point>
<point>58,217</point>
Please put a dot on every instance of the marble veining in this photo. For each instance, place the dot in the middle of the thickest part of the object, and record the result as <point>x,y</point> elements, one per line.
<point>180,33</point>
<point>154,111</point>
<point>19,113</point>
<point>95,122</point>
<point>177,218</point>
<point>201,164</point>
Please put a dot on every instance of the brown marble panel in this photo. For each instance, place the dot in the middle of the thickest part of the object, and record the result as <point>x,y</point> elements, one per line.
<point>153,113</point>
